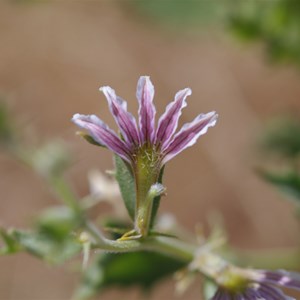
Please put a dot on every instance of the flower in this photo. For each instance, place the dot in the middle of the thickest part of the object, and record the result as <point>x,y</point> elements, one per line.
<point>145,147</point>
<point>156,145</point>
<point>261,285</point>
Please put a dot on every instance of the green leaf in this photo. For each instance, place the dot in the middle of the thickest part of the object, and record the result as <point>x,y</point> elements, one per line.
<point>53,238</point>
<point>58,221</point>
<point>289,182</point>
<point>156,200</point>
<point>126,182</point>
<point>142,269</point>
<point>47,246</point>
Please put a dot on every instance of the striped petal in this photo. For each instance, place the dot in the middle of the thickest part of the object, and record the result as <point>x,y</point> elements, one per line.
<point>281,278</point>
<point>252,294</point>
<point>271,293</point>
<point>145,94</point>
<point>189,134</point>
<point>221,295</point>
<point>168,122</point>
<point>125,120</point>
<point>102,134</point>
<point>239,297</point>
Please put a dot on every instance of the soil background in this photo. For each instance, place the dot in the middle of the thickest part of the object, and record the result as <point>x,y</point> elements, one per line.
<point>54,55</point>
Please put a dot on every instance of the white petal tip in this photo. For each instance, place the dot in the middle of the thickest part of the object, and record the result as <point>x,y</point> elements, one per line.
<point>75,117</point>
<point>188,91</point>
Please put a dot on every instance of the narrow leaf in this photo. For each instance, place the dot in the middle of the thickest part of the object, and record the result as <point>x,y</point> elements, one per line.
<point>126,182</point>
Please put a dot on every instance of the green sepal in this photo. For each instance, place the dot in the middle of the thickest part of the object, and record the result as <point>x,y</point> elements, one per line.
<point>209,289</point>
<point>156,200</point>
<point>126,183</point>
<point>89,138</point>
<point>142,269</point>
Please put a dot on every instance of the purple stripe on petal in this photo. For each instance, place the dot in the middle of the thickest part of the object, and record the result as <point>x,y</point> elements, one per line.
<point>102,134</point>
<point>124,119</point>
<point>271,293</point>
<point>189,134</point>
<point>252,294</point>
<point>220,295</point>
<point>168,122</point>
<point>282,278</point>
<point>145,94</point>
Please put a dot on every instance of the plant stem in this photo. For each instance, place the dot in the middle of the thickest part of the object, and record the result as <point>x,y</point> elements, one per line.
<point>169,246</point>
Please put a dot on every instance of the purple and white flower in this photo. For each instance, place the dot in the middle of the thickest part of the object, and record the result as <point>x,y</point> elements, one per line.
<point>160,142</point>
<point>261,285</point>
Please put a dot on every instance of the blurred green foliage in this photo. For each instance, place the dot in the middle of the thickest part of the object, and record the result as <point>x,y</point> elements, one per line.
<point>281,137</point>
<point>6,126</point>
<point>280,145</point>
<point>287,182</point>
<point>178,12</point>
<point>51,159</point>
<point>142,269</point>
<point>53,237</point>
<point>276,22</point>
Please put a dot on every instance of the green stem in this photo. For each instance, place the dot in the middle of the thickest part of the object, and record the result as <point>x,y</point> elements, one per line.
<point>144,181</point>
<point>166,245</point>
<point>172,247</point>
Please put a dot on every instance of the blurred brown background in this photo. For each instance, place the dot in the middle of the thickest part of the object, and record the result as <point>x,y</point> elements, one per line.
<point>55,55</point>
